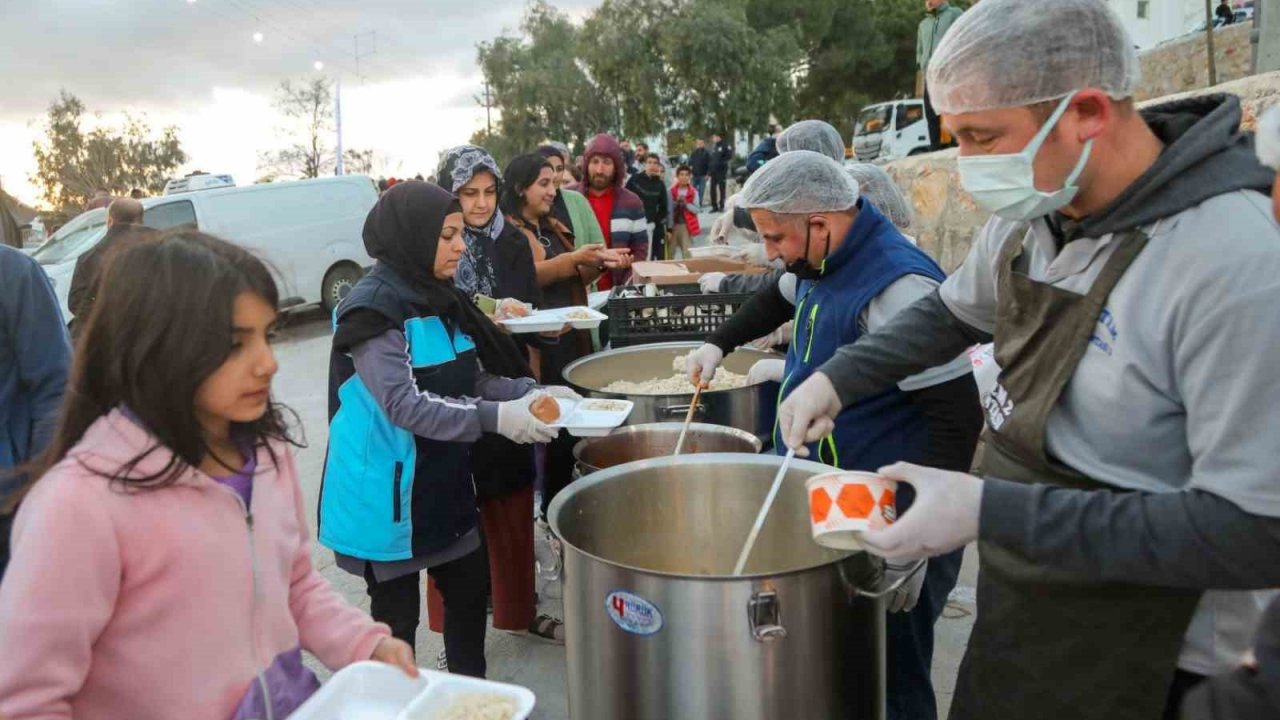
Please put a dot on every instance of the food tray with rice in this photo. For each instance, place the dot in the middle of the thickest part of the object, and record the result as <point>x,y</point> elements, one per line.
<point>638,315</point>
<point>579,318</point>
<point>376,691</point>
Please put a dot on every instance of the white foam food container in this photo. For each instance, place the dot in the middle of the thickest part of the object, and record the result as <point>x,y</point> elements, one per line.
<point>582,317</point>
<point>376,691</point>
<point>555,319</point>
<point>597,300</point>
<point>446,689</point>
<point>364,691</point>
<point>583,418</point>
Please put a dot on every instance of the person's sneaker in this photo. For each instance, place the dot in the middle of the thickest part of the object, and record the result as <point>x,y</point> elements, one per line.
<point>442,661</point>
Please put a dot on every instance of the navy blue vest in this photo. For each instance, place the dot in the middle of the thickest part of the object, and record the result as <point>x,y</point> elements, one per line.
<point>881,429</point>
<point>388,494</point>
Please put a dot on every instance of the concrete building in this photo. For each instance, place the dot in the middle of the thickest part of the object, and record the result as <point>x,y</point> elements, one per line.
<point>1151,22</point>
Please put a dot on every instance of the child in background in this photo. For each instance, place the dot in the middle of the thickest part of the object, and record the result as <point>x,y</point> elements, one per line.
<point>684,221</point>
<point>161,559</point>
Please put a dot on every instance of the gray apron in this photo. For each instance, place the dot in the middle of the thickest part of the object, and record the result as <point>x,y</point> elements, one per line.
<point>1048,643</point>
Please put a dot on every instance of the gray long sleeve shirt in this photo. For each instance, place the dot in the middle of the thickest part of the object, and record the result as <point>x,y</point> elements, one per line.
<point>382,363</point>
<point>1189,374</point>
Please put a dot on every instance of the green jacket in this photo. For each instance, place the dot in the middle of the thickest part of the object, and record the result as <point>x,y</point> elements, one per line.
<point>585,228</point>
<point>933,28</point>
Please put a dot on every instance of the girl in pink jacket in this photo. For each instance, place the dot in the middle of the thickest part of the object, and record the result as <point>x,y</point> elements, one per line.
<point>161,562</point>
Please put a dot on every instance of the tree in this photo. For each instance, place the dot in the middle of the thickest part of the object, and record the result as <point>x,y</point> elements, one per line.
<point>540,87</point>
<point>730,76</point>
<point>623,46</point>
<point>71,163</point>
<point>358,162</point>
<point>310,111</point>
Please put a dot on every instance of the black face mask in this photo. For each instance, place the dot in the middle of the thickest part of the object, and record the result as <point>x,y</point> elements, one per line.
<point>800,267</point>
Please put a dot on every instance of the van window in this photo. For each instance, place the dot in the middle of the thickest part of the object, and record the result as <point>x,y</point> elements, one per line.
<point>170,215</point>
<point>909,114</point>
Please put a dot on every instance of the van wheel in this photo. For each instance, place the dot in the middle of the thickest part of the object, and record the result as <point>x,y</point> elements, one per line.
<point>337,283</point>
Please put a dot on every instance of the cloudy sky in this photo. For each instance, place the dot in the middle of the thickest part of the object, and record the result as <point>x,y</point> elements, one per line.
<point>197,65</point>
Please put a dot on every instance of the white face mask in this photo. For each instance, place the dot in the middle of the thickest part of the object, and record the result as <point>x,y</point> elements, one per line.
<point>1006,184</point>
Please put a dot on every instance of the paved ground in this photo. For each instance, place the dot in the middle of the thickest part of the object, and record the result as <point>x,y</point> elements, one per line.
<point>301,384</point>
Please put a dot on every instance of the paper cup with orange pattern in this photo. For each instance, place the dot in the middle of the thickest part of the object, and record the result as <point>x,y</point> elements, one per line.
<point>843,504</point>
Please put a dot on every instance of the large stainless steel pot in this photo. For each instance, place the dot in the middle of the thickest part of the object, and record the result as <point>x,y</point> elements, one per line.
<point>750,408</point>
<point>641,442</point>
<point>658,627</point>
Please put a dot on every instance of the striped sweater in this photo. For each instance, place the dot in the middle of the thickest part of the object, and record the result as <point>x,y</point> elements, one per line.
<point>619,211</point>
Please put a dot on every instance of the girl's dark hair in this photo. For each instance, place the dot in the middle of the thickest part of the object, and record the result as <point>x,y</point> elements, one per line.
<point>162,324</point>
<point>522,172</point>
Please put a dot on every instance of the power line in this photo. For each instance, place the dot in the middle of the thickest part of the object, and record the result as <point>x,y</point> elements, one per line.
<point>320,46</point>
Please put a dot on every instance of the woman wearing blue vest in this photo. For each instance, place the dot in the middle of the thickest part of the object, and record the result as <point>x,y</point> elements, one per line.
<point>854,271</point>
<point>417,375</point>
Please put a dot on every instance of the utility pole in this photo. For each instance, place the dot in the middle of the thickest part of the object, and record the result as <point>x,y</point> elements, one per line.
<point>487,104</point>
<point>1266,26</point>
<point>1208,30</point>
<point>372,35</point>
<point>337,116</point>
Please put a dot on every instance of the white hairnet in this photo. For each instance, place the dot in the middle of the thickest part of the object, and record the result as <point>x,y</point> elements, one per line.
<point>814,135</point>
<point>799,182</point>
<point>875,185</point>
<point>1010,53</point>
<point>1268,138</point>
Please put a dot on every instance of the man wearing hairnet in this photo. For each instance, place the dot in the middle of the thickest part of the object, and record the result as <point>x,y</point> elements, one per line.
<point>851,271</point>
<point>1127,508</point>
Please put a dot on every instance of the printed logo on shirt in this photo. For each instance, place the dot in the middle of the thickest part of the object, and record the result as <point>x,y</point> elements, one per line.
<point>1104,337</point>
<point>999,407</point>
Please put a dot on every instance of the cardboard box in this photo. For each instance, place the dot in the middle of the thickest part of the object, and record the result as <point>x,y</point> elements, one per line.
<point>677,272</point>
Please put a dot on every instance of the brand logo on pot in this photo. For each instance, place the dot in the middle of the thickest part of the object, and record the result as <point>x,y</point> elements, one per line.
<point>633,613</point>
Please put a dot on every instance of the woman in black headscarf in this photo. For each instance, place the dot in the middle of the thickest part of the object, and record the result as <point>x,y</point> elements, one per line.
<point>397,495</point>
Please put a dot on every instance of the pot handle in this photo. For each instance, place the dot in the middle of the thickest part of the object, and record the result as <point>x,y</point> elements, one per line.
<point>679,411</point>
<point>896,584</point>
<point>764,613</point>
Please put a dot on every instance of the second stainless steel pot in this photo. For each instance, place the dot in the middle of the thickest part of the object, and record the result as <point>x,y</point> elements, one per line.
<point>751,408</point>
<point>641,442</point>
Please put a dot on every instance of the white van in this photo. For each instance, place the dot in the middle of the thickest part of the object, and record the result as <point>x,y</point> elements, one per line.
<point>308,232</point>
<point>891,130</point>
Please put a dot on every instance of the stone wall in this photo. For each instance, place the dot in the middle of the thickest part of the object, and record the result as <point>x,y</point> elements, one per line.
<point>946,218</point>
<point>1183,64</point>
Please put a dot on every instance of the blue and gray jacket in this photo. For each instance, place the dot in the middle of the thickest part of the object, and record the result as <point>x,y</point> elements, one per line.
<point>397,481</point>
<point>885,428</point>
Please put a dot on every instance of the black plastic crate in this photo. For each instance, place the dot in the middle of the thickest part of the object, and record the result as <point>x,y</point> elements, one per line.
<point>684,313</point>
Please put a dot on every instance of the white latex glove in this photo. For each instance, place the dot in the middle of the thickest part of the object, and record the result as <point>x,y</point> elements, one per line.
<point>517,424</point>
<point>904,599</point>
<point>943,517</point>
<point>561,392</point>
<point>710,282</point>
<point>808,414</point>
<point>701,364</point>
<point>721,227</point>
<point>781,336</point>
<point>766,370</point>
